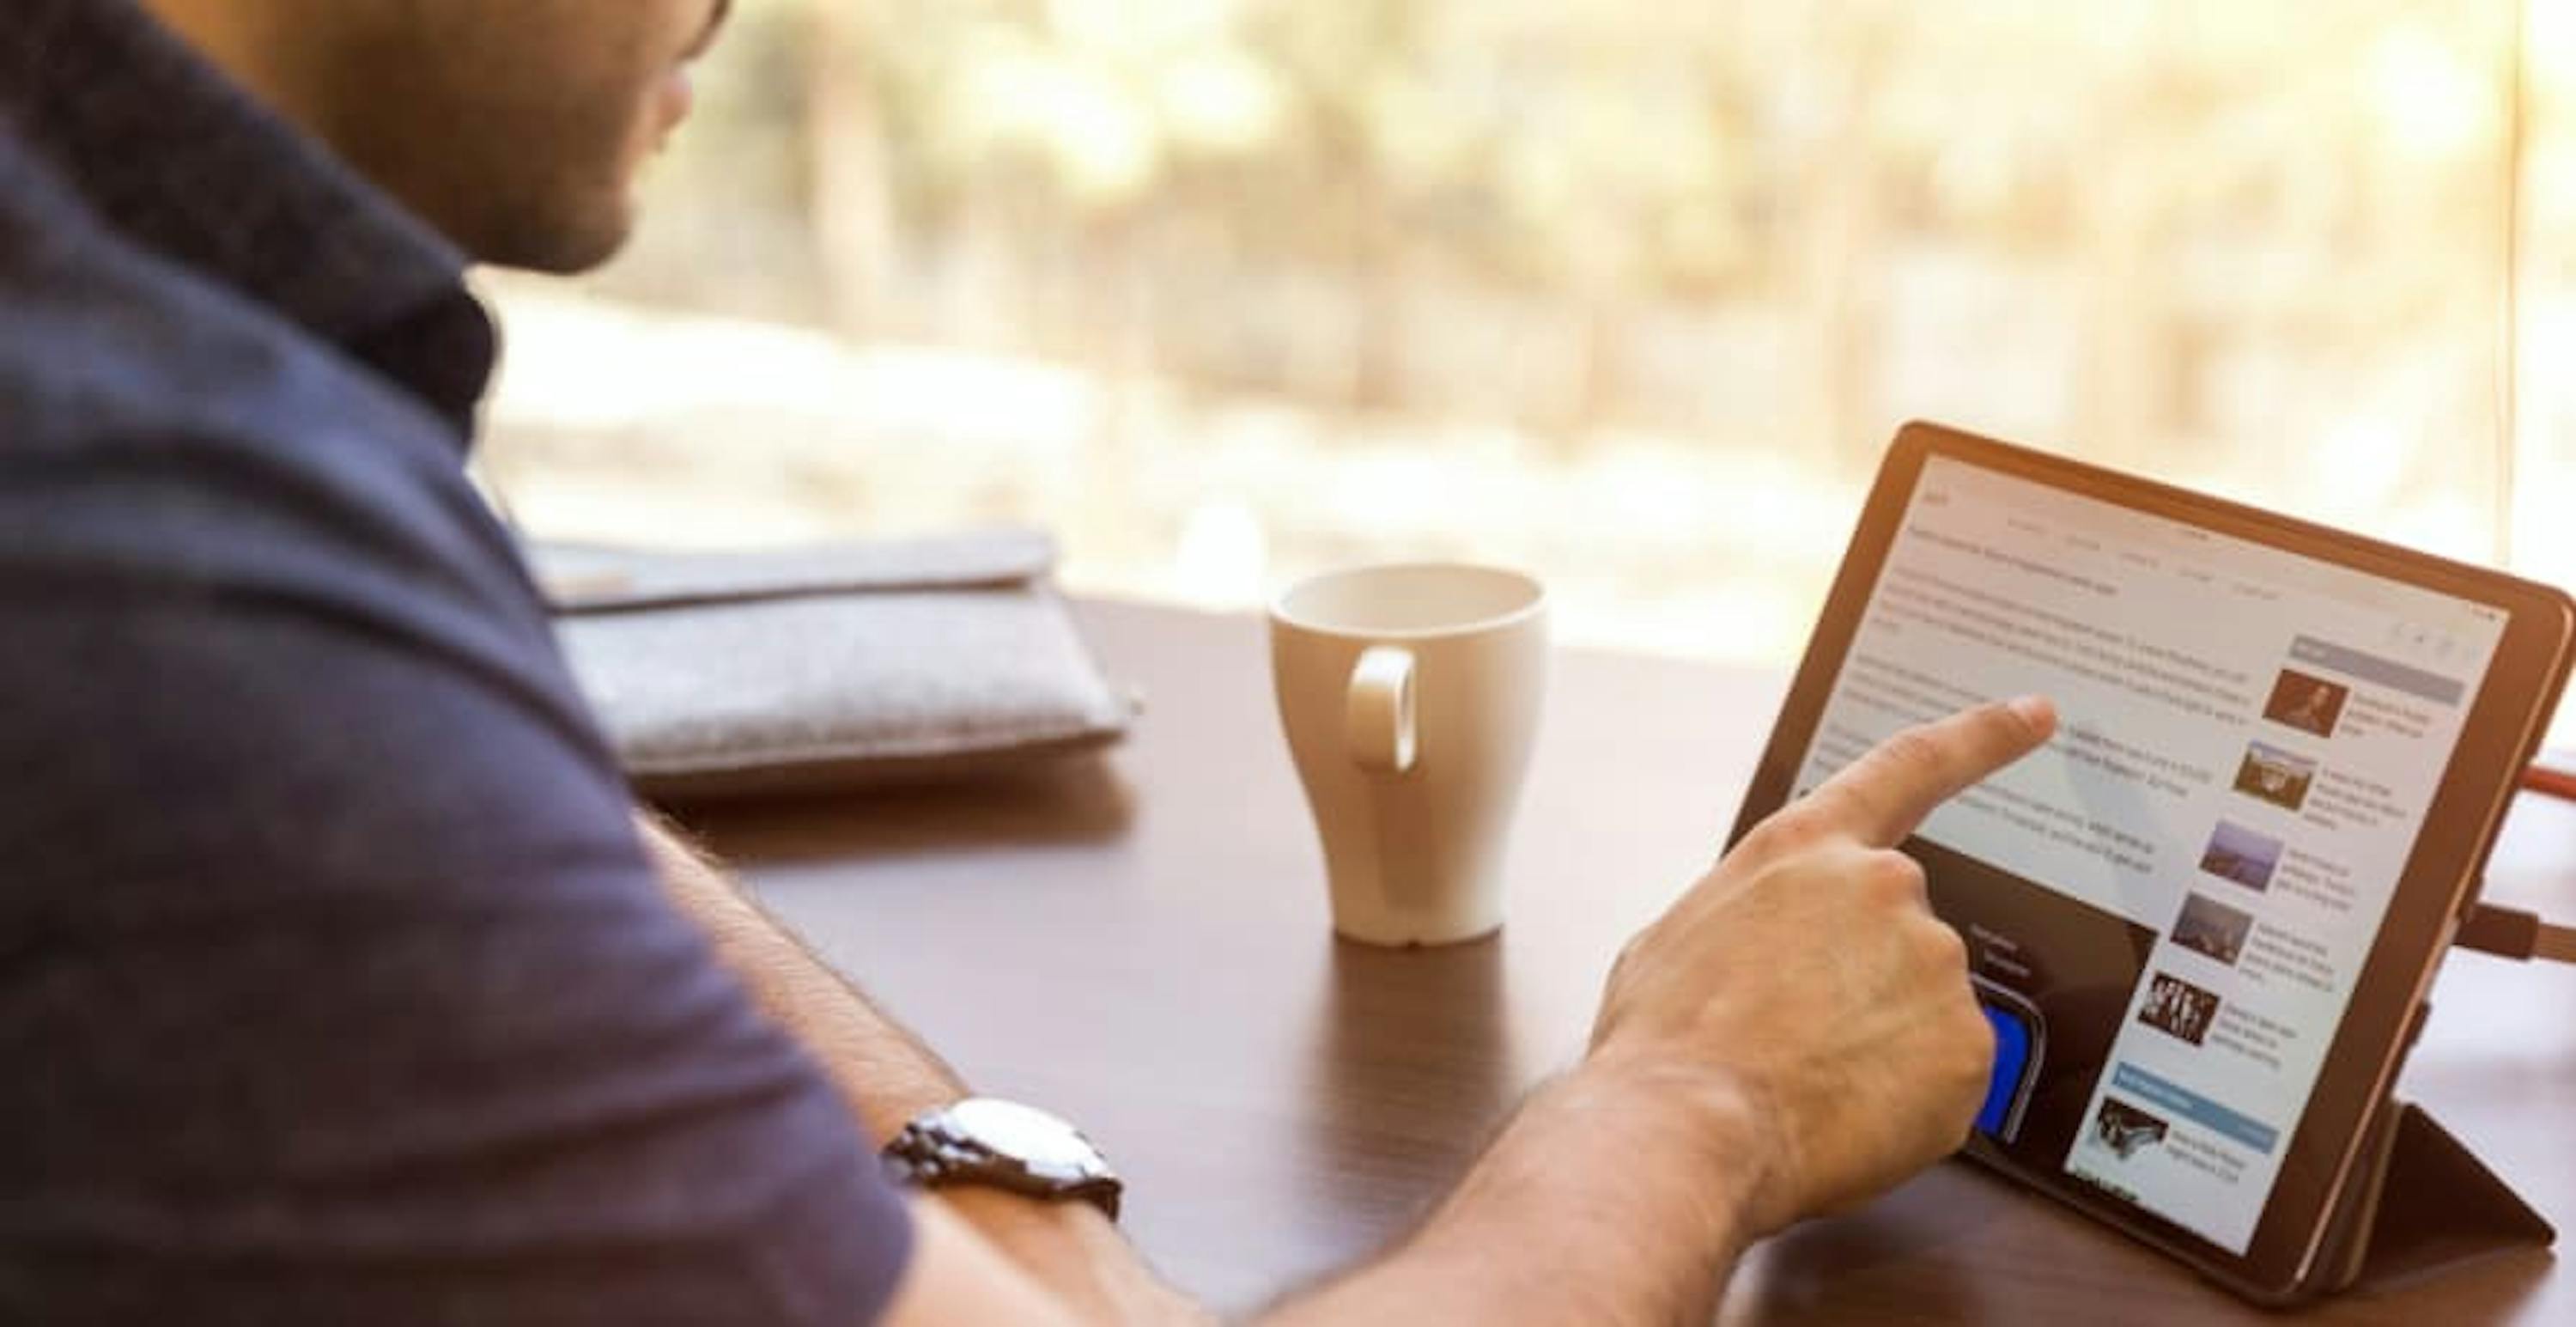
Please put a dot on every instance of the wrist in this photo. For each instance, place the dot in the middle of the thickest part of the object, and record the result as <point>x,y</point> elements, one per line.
<point>1706,1129</point>
<point>1616,1174</point>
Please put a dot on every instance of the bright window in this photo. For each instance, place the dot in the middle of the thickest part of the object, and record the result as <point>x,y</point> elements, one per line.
<point>1628,293</point>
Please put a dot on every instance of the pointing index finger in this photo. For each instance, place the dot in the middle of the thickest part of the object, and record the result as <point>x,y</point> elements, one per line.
<point>1881,797</point>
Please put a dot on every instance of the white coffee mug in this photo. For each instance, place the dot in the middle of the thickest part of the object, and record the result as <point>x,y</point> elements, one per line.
<point>1411,698</point>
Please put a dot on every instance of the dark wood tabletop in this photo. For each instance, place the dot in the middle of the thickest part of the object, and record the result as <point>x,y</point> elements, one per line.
<point>1141,943</point>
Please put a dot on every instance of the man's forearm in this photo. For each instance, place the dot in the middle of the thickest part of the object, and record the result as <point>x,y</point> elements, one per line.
<point>889,1077</point>
<point>1611,1198</point>
<point>886,1074</point>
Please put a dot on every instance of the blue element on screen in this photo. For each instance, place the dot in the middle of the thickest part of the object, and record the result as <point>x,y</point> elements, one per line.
<point>2012,1058</point>
<point>2165,1094</point>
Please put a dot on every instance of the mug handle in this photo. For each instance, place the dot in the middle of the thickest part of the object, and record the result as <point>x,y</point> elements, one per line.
<point>1377,720</point>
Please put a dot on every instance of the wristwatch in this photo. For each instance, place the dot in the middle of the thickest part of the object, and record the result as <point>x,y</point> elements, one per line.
<point>1006,1145</point>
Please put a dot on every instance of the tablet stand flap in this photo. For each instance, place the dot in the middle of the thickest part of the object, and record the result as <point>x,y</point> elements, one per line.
<point>2421,1203</point>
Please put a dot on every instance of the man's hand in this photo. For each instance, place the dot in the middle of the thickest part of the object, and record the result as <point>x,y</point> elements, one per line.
<point>1803,998</point>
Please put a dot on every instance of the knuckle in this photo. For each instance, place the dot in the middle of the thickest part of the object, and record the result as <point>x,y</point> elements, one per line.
<point>1949,953</point>
<point>1789,830</point>
<point>1976,1041</point>
<point>1632,954</point>
<point>1844,801</point>
<point>1980,1033</point>
<point>1893,878</point>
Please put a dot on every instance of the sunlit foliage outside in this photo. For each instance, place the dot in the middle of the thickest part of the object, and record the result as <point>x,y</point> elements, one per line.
<point>1628,293</point>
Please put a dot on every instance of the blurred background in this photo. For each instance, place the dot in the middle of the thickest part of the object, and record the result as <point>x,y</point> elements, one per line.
<point>1629,293</point>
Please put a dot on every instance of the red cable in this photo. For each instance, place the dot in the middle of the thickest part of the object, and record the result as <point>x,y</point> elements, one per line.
<point>2550,780</point>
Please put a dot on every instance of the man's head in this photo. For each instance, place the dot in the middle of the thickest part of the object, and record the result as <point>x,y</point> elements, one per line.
<point>516,127</point>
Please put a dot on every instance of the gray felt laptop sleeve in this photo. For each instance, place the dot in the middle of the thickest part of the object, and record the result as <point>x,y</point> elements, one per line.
<point>743,674</point>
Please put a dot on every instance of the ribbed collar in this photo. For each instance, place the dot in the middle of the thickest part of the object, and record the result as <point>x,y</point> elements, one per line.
<point>172,154</point>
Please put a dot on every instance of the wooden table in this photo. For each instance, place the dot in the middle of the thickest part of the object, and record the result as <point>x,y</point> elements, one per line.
<point>1142,944</point>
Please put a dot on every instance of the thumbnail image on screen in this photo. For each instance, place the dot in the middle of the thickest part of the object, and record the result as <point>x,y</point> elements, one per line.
<point>2212,929</point>
<point>2239,854</point>
<point>2276,776</point>
<point>2308,703</point>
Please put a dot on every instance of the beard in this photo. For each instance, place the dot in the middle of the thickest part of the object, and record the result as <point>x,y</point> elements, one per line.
<point>519,141</point>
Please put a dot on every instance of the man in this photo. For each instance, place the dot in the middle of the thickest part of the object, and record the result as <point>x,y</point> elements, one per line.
<point>339,983</point>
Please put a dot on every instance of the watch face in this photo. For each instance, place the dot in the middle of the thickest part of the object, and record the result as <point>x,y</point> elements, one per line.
<point>1024,1132</point>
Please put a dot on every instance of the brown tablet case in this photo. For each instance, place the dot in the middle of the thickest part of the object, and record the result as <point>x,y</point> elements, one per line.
<point>2420,1203</point>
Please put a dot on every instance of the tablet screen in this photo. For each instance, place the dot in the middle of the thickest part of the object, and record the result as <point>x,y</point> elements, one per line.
<point>2173,901</point>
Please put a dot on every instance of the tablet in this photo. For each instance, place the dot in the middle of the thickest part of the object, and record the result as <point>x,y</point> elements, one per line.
<point>2204,918</point>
